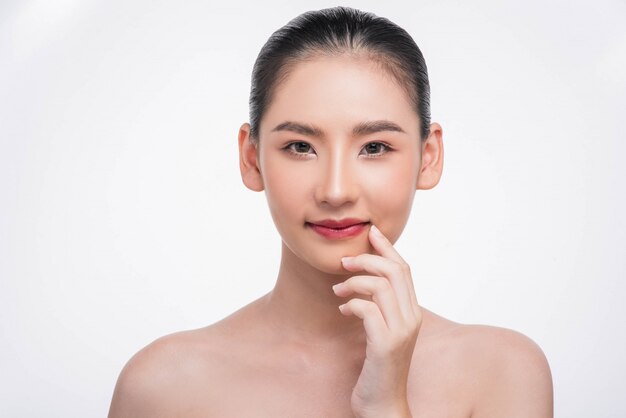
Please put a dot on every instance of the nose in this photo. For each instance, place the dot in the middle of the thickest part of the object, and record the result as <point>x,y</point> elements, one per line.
<point>337,184</point>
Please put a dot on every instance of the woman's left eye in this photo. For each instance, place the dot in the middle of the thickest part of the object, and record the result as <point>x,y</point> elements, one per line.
<point>376,149</point>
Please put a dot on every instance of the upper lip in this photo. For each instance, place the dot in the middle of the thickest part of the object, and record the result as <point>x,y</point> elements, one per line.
<point>340,223</point>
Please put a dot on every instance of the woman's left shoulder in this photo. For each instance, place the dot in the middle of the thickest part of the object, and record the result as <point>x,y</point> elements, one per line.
<point>504,372</point>
<point>509,349</point>
<point>486,343</point>
<point>511,371</point>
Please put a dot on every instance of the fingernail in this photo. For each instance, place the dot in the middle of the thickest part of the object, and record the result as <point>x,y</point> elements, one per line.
<point>342,307</point>
<point>346,260</point>
<point>376,231</point>
<point>337,287</point>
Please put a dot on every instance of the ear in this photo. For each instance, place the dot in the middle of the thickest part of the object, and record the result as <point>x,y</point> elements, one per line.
<point>249,160</point>
<point>432,159</point>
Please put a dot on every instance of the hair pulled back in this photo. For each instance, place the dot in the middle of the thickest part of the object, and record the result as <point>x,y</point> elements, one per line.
<point>340,30</point>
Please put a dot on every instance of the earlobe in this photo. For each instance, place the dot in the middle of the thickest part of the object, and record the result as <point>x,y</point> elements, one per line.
<point>432,159</point>
<point>249,161</point>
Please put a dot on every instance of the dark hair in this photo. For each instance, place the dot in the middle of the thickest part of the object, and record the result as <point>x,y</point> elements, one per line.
<point>334,31</point>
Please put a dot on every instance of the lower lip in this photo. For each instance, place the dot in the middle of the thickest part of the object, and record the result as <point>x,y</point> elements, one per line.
<point>339,233</point>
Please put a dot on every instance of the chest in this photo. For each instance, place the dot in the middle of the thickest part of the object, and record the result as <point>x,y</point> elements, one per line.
<point>317,392</point>
<point>257,392</point>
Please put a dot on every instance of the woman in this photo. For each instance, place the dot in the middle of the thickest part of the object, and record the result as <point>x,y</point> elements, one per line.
<point>339,139</point>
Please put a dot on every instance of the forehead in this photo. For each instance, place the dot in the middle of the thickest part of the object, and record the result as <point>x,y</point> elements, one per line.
<point>339,92</point>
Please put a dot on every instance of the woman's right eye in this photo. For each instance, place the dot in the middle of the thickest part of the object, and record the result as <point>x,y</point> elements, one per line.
<point>299,149</point>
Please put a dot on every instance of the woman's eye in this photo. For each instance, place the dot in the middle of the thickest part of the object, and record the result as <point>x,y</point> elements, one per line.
<point>300,149</point>
<point>376,149</point>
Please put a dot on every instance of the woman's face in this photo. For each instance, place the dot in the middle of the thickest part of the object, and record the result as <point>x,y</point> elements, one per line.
<point>339,140</point>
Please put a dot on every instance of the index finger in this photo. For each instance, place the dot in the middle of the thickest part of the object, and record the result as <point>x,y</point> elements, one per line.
<point>387,250</point>
<point>383,246</point>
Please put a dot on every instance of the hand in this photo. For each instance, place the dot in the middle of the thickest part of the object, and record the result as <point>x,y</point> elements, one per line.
<point>392,320</point>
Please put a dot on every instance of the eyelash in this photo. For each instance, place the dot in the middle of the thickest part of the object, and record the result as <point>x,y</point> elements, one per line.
<point>288,148</point>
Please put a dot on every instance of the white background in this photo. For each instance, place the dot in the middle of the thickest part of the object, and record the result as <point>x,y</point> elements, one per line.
<point>123,216</point>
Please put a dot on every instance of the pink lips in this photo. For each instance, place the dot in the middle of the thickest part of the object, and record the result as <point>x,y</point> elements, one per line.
<point>344,228</point>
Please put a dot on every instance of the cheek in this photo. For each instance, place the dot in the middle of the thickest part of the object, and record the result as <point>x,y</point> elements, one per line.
<point>390,192</point>
<point>285,189</point>
<point>393,181</point>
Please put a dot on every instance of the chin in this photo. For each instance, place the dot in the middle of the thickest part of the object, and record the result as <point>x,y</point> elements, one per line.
<point>325,256</point>
<point>334,269</point>
<point>329,262</point>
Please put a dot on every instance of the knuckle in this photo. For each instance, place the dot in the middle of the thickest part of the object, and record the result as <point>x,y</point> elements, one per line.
<point>370,307</point>
<point>382,285</point>
<point>398,269</point>
<point>353,303</point>
<point>404,266</point>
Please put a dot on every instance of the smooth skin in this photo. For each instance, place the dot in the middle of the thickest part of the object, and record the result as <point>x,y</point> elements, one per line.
<point>342,333</point>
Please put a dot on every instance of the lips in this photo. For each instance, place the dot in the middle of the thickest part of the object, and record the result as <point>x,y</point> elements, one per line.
<point>338,229</point>
<point>338,224</point>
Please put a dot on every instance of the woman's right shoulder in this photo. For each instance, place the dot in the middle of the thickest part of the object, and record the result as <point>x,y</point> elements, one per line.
<point>157,377</point>
<point>164,355</point>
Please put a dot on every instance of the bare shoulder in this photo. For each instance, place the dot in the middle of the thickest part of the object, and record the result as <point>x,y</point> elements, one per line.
<point>488,371</point>
<point>155,381</point>
<point>511,372</point>
<point>185,373</point>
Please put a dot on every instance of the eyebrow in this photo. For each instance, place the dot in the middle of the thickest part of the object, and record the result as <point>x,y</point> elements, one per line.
<point>363,128</point>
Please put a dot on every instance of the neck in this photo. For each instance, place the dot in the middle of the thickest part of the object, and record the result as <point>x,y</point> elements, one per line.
<point>303,303</point>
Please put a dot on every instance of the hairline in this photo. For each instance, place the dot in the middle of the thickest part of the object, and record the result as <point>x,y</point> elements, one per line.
<point>381,59</point>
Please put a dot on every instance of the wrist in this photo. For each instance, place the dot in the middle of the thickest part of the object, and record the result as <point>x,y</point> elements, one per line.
<point>397,411</point>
